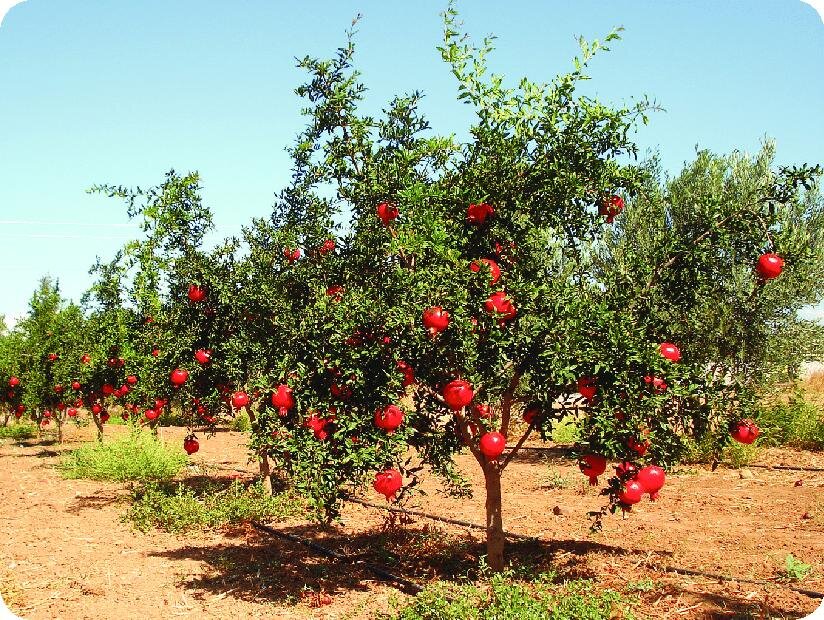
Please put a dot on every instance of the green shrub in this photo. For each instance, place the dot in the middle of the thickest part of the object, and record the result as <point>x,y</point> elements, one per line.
<point>566,430</point>
<point>797,422</point>
<point>136,456</point>
<point>241,422</point>
<point>506,598</point>
<point>178,508</point>
<point>740,454</point>
<point>18,432</point>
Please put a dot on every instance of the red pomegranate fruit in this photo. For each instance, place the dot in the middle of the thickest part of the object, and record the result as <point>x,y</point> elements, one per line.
<point>240,400</point>
<point>770,266</point>
<point>178,377</point>
<point>196,294</point>
<point>670,351</point>
<point>652,479</point>
<point>477,213</point>
<point>435,320</point>
<point>745,431</point>
<point>587,387</point>
<point>191,445</point>
<point>494,269</point>
<point>592,465</point>
<point>492,445</point>
<point>388,483</point>
<point>389,418</point>
<point>458,394</point>
<point>631,493</point>
<point>283,398</point>
<point>387,211</point>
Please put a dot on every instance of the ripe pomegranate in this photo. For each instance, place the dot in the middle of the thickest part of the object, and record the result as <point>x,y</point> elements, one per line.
<point>458,394</point>
<point>670,351</point>
<point>71,412</point>
<point>408,373</point>
<point>495,271</point>
<point>196,294</point>
<point>203,356</point>
<point>131,379</point>
<point>335,291</point>
<point>639,447</point>
<point>155,351</point>
<point>744,431</point>
<point>151,414</point>
<point>652,479</point>
<point>58,389</point>
<point>492,445</point>
<point>626,470</point>
<point>501,305</point>
<point>240,400</point>
<point>291,254</point>
<point>482,410</point>
<point>387,211</point>
<point>477,213</point>
<point>85,358</point>
<point>104,416</point>
<point>435,320</point>
<point>47,413</point>
<point>658,384</point>
<point>769,266</point>
<point>328,246</point>
<point>107,389</point>
<point>191,445</point>
<point>388,483</point>
<point>389,418</point>
<point>52,357</point>
<point>76,385</point>
<point>611,207</point>
<point>341,392</point>
<point>160,403</point>
<point>124,416</point>
<point>178,377</point>
<point>96,409</point>
<point>587,386</point>
<point>283,399</point>
<point>61,406</point>
<point>532,414</point>
<point>632,493</point>
<point>592,465</point>
<point>14,382</point>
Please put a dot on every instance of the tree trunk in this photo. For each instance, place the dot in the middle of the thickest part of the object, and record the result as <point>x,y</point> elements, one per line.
<point>99,426</point>
<point>263,458</point>
<point>494,519</point>
<point>265,473</point>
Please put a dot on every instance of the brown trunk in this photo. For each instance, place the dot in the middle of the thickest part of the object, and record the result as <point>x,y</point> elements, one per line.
<point>265,473</point>
<point>59,432</point>
<point>263,459</point>
<point>99,426</point>
<point>494,519</point>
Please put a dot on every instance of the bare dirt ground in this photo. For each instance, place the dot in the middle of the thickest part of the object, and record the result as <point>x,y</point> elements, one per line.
<point>65,553</point>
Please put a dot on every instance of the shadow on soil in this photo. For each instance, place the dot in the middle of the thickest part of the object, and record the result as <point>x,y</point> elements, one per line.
<point>282,571</point>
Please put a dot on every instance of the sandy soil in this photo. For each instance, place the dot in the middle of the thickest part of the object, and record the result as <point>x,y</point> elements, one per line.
<point>65,553</point>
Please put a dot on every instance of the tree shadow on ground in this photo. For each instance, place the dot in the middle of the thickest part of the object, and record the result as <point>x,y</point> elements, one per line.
<point>97,500</point>
<point>264,566</point>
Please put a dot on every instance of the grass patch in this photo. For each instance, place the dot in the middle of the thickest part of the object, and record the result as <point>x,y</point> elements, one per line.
<point>137,456</point>
<point>504,597</point>
<point>18,432</point>
<point>794,569</point>
<point>796,422</point>
<point>739,455</point>
<point>178,508</point>
<point>566,430</point>
<point>241,422</point>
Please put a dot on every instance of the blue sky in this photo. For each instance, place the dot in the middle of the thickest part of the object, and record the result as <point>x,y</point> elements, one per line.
<point>120,92</point>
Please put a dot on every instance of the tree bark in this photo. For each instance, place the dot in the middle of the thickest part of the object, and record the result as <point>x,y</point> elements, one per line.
<point>494,518</point>
<point>263,459</point>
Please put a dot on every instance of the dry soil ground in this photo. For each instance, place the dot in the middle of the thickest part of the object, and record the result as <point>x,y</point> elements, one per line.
<point>65,553</point>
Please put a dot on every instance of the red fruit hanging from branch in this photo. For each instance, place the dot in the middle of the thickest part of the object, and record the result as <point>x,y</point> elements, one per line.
<point>652,479</point>
<point>670,351</point>
<point>499,304</point>
<point>283,398</point>
<point>389,418</point>
<point>770,266</point>
<point>178,377</point>
<point>458,394</point>
<point>492,445</point>
<point>196,294</point>
<point>494,269</point>
<point>745,431</point>
<point>592,465</point>
<point>387,211</point>
<point>191,445</point>
<point>240,400</point>
<point>610,207</point>
<point>435,320</point>
<point>388,483</point>
<point>587,387</point>
<point>478,213</point>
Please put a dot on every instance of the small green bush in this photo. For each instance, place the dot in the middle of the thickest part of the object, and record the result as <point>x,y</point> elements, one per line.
<point>241,423</point>
<point>178,508</point>
<point>18,432</point>
<point>566,430</point>
<point>797,423</point>
<point>740,454</point>
<point>136,456</point>
<point>506,598</point>
<point>794,569</point>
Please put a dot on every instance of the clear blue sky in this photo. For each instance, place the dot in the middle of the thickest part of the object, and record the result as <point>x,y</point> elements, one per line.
<point>119,92</point>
